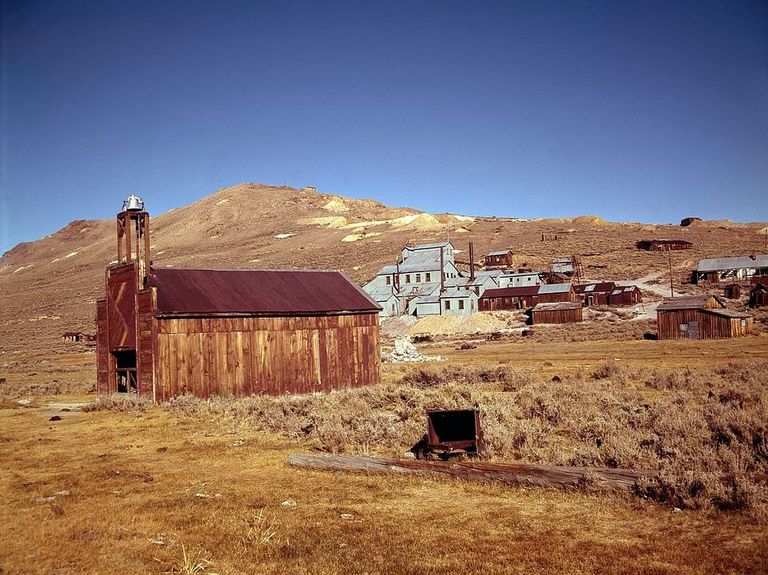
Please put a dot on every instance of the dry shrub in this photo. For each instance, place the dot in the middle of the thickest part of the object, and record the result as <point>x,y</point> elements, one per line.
<point>705,434</point>
<point>120,403</point>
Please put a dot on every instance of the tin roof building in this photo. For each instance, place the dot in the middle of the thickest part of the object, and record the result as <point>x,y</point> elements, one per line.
<point>168,332</point>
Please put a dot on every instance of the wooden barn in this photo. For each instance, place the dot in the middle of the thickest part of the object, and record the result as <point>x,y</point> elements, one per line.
<point>558,312</point>
<point>167,332</point>
<point>699,317</point>
<point>758,295</point>
<point>664,245</point>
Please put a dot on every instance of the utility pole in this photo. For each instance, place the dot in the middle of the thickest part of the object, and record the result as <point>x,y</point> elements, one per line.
<point>671,290</point>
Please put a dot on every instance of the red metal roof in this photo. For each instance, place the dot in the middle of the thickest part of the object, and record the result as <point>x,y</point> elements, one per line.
<point>259,292</point>
<point>599,287</point>
<point>521,291</point>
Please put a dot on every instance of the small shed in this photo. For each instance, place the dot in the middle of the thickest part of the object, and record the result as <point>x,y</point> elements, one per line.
<point>699,317</point>
<point>625,295</point>
<point>664,245</point>
<point>559,312</point>
<point>758,295</point>
<point>732,291</point>
<point>500,259</point>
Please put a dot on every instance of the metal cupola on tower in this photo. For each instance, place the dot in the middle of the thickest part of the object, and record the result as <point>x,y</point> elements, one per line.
<point>133,235</point>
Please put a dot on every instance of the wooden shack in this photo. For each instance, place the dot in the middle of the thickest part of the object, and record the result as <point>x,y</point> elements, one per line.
<point>699,317</point>
<point>758,295</point>
<point>732,291</point>
<point>663,245</point>
<point>500,259</point>
<point>598,293</point>
<point>625,295</point>
<point>523,297</point>
<point>168,332</point>
<point>559,312</point>
<point>509,298</point>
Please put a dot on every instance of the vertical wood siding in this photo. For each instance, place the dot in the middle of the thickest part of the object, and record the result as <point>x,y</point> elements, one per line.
<point>265,355</point>
<point>102,349</point>
<point>710,326</point>
<point>557,316</point>
<point>145,328</point>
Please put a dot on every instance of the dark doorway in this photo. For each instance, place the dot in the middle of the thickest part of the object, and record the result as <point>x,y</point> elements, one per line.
<point>125,371</point>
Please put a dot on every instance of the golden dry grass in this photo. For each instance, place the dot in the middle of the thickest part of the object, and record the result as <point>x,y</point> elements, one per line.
<point>164,491</point>
<point>141,485</point>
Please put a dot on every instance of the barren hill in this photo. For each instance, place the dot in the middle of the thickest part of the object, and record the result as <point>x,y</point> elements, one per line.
<point>50,286</point>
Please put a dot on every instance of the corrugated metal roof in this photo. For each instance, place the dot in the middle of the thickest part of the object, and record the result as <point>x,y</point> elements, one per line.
<point>261,292</point>
<point>380,294</point>
<point>594,287</point>
<point>499,253</point>
<point>428,246</point>
<point>734,263</point>
<point>688,302</point>
<point>560,305</point>
<point>554,288</point>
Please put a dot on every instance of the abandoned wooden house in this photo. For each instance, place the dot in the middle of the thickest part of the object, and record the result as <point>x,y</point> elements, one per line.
<point>556,312</point>
<point>758,295</point>
<point>167,332</point>
<point>598,293</point>
<point>664,245</point>
<point>625,295</point>
<point>508,298</point>
<point>499,259</point>
<point>512,298</point>
<point>699,317</point>
<point>731,268</point>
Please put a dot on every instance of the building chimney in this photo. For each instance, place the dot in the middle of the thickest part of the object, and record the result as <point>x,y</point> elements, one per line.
<point>471,261</point>
<point>442,270</point>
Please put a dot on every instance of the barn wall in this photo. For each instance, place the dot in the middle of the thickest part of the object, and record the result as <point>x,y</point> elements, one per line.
<point>121,306</point>
<point>711,326</point>
<point>265,355</point>
<point>668,322</point>
<point>145,331</point>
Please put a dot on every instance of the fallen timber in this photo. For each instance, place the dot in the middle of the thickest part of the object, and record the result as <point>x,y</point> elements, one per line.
<point>553,476</point>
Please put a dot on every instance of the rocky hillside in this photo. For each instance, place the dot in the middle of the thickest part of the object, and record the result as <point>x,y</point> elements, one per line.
<point>50,286</point>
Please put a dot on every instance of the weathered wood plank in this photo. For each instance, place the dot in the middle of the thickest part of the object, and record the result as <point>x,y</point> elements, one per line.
<point>507,473</point>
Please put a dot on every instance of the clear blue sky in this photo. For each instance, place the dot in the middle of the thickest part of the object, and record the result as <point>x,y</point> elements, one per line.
<point>641,111</point>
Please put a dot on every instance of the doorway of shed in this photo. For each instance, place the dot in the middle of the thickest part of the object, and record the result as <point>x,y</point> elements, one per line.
<point>125,371</point>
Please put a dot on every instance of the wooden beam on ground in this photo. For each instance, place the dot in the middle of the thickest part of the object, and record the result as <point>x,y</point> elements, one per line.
<point>507,473</point>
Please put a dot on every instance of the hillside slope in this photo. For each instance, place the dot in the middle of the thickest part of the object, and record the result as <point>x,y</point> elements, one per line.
<point>50,285</point>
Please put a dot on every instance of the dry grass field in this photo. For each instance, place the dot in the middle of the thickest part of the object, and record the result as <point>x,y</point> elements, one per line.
<point>199,487</point>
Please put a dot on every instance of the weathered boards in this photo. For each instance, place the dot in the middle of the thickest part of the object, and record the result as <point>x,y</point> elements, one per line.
<point>507,473</point>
